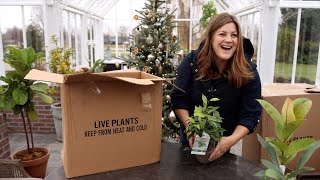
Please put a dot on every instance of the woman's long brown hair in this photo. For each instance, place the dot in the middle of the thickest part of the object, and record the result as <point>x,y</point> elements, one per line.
<point>238,70</point>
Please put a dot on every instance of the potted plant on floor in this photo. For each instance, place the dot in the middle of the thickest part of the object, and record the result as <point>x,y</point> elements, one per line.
<point>206,123</point>
<point>17,95</point>
<point>282,150</point>
<point>59,63</point>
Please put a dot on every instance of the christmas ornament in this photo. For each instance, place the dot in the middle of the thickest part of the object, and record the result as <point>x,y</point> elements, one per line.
<point>117,65</point>
<point>160,46</point>
<point>145,69</point>
<point>172,117</point>
<point>168,98</point>
<point>142,57</point>
<point>149,40</point>
<point>150,57</point>
<point>157,62</point>
<point>135,17</point>
<point>146,12</point>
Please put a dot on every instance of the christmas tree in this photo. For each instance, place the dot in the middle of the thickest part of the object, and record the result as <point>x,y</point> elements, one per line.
<point>154,50</point>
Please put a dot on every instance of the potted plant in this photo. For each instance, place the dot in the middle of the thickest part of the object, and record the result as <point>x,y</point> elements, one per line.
<point>17,95</point>
<point>59,63</point>
<point>282,150</point>
<point>206,121</point>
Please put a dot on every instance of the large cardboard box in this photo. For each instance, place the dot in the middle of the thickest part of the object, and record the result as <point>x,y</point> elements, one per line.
<point>111,120</point>
<point>276,95</point>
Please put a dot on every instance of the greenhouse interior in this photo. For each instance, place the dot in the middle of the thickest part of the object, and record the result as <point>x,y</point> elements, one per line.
<point>70,37</point>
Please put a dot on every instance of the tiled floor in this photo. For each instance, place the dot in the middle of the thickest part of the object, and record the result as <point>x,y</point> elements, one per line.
<point>18,142</point>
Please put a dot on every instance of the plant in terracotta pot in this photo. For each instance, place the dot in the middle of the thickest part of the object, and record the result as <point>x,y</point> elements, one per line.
<point>17,95</point>
<point>282,149</point>
<point>59,63</point>
<point>205,123</point>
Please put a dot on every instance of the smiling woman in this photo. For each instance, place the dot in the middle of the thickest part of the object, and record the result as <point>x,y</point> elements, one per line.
<point>219,69</point>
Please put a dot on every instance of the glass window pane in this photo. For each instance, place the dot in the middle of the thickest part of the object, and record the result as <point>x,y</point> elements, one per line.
<point>309,38</point>
<point>183,34</point>
<point>183,8</point>
<point>34,27</point>
<point>109,35</point>
<point>285,45</point>
<point>11,28</point>
<point>197,34</point>
<point>124,30</point>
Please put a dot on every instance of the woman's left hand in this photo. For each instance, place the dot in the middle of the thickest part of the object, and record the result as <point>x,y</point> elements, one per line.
<point>225,143</point>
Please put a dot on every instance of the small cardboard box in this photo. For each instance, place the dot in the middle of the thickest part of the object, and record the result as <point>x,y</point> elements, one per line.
<point>276,95</point>
<point>111,120</point>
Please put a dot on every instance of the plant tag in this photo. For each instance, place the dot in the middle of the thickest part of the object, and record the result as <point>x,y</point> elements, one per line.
<point>200,144</point>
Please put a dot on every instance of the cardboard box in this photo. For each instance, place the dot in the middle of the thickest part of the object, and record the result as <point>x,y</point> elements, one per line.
<point>111,120</point>
<point>276,95</point>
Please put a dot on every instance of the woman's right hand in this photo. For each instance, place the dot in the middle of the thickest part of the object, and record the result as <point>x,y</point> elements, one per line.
<point>191,140</point>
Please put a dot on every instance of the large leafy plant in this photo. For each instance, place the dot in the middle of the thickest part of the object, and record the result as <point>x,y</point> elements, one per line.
<point>282,150</point>
<point>206,119</point>
<point>18,93</point>
<point>60,58</point>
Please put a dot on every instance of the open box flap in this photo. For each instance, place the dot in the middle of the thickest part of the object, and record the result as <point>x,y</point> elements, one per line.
<point>130,76</point>
<point>38,75</point>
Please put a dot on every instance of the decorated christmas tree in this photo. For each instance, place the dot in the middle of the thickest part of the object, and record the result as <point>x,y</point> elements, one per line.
<point>154,50</point>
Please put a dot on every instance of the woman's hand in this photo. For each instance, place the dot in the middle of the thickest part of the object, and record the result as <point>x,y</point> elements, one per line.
<point>191,140</point>
<point>225,143</point>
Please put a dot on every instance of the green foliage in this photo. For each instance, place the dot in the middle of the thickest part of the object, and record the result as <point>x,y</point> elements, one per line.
<point>208,11</point>
<point>60,58</point>
<point>206,119</point>
<point>281,149</point>
<point>18,92</point>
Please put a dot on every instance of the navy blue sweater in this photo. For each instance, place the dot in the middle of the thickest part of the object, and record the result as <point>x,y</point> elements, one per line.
<point>237,106</point>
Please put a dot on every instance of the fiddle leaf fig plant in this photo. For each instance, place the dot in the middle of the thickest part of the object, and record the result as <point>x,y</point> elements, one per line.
<point>207,119</point>
<point>18,93</point>
<point>282,150</point>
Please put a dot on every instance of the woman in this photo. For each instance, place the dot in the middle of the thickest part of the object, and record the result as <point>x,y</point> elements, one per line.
<point>219,69</point>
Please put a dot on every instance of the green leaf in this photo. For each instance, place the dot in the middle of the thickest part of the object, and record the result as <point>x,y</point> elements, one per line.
<point>214,99</point>
<point>205,101</point>
<point>271,151</point>
<point>32,114</point>
<point>305,156</point>
<point>280,145</point>
<point>299,145</point>
<point>270,165</point>
<point>287,111</point>
<point>294,174</point>
<point>275,115</point>
<point>31,55</point>
<point>17,110</point>
<point>301,107</point>
<point>260,173</point>
<point>273,174</point>
<point>272,111</point>
<point>288,130</point>
<point>45,98</point>
<point>41,87</point>
<point>20,96</point>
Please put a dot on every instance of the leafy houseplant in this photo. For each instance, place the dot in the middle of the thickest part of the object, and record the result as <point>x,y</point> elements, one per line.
<point>60,58</point>
<point>281,149</point>
<point>18,94</point>
<point>206,119</point>
<point>59,63</point>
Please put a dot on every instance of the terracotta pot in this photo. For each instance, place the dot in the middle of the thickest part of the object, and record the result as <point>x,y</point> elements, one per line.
<point>36,168</point>
<point>204,159</point>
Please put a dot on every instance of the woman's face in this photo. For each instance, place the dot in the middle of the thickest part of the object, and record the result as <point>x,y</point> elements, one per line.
<point>225,42</point>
